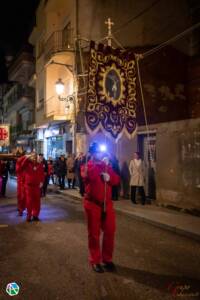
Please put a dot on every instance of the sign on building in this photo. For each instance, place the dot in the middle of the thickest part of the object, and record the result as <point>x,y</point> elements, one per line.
<point>4,135</point>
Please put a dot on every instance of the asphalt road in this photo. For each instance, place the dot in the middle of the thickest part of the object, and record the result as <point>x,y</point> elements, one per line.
<point>48,260</point>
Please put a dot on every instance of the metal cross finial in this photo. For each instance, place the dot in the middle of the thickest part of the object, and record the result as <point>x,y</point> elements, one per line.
<point>110,24</point>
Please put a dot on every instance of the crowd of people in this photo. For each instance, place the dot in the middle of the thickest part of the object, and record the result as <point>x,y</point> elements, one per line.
<point>98,177</point>
<point>66,173</point>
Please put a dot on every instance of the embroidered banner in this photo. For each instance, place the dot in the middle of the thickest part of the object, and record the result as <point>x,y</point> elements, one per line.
<point>111,103</point>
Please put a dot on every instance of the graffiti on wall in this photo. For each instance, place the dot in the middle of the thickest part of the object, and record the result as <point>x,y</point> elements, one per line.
<point>165,93</point>
<point>190,158</point>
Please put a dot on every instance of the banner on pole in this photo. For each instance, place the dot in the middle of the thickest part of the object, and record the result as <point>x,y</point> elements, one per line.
<point>4,135</point>
<point>111,97</point>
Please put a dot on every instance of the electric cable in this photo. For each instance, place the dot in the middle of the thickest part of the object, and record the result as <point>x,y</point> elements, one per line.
<point>137,16</point>
<point>170,41</point>
<point>142,95</point>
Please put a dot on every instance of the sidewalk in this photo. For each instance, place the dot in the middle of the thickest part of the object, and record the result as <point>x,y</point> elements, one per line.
<point>176,222</point>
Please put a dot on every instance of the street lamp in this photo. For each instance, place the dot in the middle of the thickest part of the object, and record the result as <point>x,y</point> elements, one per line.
<point>59,87</point>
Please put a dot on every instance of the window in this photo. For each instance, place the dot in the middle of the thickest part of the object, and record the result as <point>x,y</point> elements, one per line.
<point>67,36</point>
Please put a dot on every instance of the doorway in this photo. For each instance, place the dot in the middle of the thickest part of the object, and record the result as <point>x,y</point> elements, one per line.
<point>147,148</point>
<point>69,147</point>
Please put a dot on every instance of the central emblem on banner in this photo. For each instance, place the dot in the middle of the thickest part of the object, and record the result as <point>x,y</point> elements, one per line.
<point>111,104</point>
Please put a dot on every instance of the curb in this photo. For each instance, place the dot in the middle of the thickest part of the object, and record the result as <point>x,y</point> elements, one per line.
<point>173,229</point>
<point>190,211</point>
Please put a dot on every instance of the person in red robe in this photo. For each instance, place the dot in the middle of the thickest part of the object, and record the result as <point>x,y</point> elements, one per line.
<point>21,200</point>
<point>98,181</point>
<point>33,181</point>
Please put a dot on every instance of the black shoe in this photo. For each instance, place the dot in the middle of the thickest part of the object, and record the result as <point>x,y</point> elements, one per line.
<point>97,268</point>
<point>28,219</point>
<point>134,202</point>
<point>36,219</point>
<point>109,266</point>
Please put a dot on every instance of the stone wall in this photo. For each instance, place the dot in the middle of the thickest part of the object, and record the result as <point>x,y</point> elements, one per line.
<point>178,163</point>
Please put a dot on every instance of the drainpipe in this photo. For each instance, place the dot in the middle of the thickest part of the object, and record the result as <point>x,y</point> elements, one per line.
<point>77,18</point>
<point>75,73</point>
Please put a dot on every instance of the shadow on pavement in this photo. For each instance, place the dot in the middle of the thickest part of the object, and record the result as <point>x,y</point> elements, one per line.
<point>165,283</point>
<point>49,214</point>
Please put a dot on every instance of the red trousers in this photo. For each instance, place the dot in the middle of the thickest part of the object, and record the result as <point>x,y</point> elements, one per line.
<point>32,201</point>
<point>95,224</point>
<point>21,199</point>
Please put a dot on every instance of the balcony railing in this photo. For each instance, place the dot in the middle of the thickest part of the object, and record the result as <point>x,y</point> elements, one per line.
<point>17,93</point>
<point>59,41</point>
<point>21,128</point>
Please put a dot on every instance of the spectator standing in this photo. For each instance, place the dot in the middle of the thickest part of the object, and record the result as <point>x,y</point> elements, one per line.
<point>71,171</point>
<point>125,179</point>
<point>21,195</point>
<point>4,174</point>
<point>50,170</point>
<point>61,170</point>
<point>116,169</point>
<point>45,167</point>
<point>82,160</point>
<point>137,178</point>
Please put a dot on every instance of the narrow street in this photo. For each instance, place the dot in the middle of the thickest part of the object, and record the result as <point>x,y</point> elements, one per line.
<point>48,259</point>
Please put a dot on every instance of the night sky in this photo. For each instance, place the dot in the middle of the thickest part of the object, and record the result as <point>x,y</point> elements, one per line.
<point>16,21</point>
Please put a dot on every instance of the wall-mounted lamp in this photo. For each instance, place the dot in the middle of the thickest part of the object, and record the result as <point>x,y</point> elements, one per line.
<point>60,87</point>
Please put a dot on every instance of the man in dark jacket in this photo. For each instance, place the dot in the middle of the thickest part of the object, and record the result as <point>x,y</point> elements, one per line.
<point>45,167</point>
<point>5,171</point>
<point>61,170</point>
<point>116,169</point>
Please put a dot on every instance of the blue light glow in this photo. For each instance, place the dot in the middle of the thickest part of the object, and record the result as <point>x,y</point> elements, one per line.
<point>103,148</point>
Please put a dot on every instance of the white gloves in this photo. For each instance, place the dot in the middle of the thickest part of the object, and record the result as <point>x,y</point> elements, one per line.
<point>41,185</point>
<point>105,176</point>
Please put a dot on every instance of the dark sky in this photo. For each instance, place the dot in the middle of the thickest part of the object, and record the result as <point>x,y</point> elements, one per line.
<point>16,21</point>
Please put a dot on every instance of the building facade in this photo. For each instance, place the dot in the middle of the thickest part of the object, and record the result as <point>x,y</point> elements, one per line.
<point>52,39</point>
<point>170,78</point>
<point>18,101</point>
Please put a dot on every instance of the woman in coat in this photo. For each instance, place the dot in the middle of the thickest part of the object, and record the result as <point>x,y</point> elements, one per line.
<point>71,171</point>
<point>137,177</point>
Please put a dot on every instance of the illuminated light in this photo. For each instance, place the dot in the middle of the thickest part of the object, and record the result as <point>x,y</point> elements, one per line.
<point>103,148</point>
<point>47,133</point>
<point>59,87</point>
